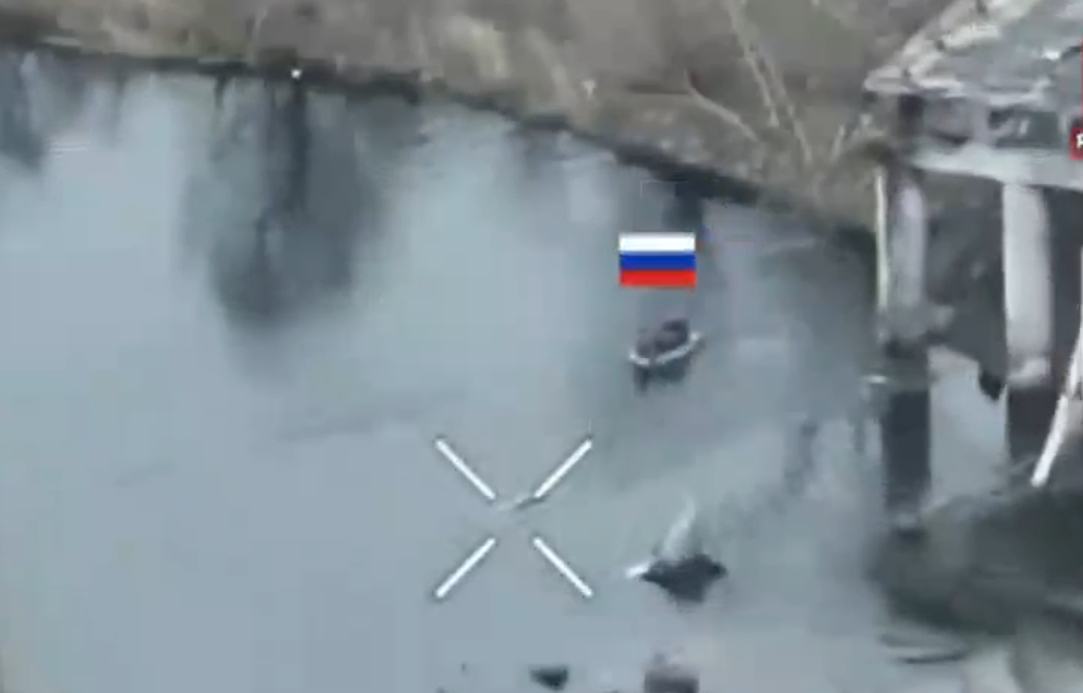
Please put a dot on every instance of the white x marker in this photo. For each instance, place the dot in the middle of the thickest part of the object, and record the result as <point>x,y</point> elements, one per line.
<point>550,482</point>
<point>463,569</point>
<point>464,469</point>
<point>546,487</point>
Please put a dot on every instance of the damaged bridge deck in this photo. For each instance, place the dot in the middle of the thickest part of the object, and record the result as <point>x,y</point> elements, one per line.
<point>1014,55</point>
<point>1000,87</point>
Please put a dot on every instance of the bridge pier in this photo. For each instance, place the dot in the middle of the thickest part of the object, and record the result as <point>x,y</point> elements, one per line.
<point>1029,318</point>
<point>949,113</point>
<point>1037,262</point>
<point>903,310</point>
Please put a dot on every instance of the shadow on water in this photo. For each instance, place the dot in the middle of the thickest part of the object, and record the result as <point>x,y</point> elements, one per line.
<point>40,98</point>
<point>387,127</point>
<point>19,140</point>
<point>119,78</point>
<point>290,242</point>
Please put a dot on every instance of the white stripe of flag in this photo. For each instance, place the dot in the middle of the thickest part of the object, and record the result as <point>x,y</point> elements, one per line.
<point>657,243</point>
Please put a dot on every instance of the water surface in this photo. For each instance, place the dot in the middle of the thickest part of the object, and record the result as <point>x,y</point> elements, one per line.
<point>218,470</point>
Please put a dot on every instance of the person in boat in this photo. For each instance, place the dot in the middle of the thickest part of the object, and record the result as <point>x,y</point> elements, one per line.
<point>674,335</point>
<point>669,338</point>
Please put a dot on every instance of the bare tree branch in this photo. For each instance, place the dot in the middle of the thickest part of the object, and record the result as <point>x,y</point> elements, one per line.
<point>845,21</point>
<point>737,21</point>
<point>772,87</point>
<point>718,109</point>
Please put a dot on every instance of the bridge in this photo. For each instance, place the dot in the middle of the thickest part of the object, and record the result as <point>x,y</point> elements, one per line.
<point>988,91</point>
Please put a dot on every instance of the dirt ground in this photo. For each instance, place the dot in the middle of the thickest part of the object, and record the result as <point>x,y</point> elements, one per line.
<point>764,91</point>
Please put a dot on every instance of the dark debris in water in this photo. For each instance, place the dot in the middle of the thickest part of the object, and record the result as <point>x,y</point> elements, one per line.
<point>666,676</point>
<point>552,676</point>
<point>686,580</point>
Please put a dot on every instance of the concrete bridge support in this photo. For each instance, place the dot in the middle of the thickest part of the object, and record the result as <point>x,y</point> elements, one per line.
<point>1042,289</point>
<point>1029,318</point>
<point>1042,284</point>
<point>903,312</point>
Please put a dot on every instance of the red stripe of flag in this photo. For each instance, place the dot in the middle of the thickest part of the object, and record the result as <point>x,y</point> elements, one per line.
<point>658,279</point>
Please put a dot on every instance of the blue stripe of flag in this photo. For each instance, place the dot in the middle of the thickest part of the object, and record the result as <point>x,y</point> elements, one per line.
<point>657,261</point>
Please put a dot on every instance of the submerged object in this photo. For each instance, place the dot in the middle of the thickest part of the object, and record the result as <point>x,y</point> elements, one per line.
<point>679,565</point>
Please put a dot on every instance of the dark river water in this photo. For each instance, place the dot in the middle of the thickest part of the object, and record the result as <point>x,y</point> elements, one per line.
<point>218,466</point>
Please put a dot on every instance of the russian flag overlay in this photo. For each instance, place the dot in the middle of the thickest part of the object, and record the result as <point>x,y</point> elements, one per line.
<point>658,260</point>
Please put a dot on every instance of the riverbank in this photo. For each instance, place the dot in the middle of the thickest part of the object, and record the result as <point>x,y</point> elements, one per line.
<point>353,390</point>
<point>204,386</point>
<point>762,96</point>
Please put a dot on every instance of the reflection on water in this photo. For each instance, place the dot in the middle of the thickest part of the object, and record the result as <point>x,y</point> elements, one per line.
<point>291,239</point>
<point>41,98</point>
<point>18,139</point>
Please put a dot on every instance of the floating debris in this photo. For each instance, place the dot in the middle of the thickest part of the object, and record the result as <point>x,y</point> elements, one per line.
<point>552,676</point>
<point>666,676</point>
<point>678,564</point>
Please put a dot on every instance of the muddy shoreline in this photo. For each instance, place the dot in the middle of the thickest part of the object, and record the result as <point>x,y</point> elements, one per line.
<point>679,89</point>
<point>851,234</point>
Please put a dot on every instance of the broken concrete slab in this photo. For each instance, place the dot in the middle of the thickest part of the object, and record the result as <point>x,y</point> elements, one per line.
<point>990,561</point>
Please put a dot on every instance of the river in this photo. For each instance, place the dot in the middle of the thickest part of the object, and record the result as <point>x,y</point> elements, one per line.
<point>219,470</point>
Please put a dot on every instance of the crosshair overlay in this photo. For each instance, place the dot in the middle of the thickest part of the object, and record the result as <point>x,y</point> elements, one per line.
<point>475,558</point>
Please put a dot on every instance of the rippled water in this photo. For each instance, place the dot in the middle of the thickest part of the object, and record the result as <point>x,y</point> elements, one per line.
<point>217,421</point>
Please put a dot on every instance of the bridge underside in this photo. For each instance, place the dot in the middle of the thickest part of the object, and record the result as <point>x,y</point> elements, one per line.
<point>990,90</point>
